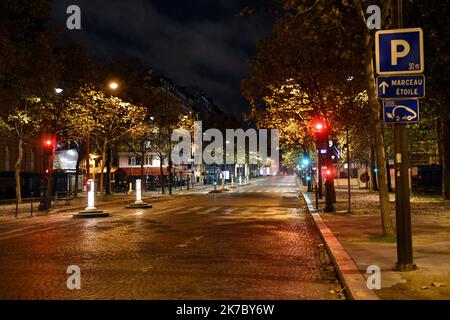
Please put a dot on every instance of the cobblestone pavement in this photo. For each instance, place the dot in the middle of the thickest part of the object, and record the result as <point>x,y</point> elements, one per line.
<point>253,242</point>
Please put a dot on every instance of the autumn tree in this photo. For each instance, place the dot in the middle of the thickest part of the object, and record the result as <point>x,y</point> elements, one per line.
<point>27,71</point>
<point>315,47</point>
<point>106,118</point>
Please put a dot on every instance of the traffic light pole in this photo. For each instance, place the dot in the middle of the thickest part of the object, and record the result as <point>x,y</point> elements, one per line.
<point>329,184</point>
<point>44,203</point>
<point>319,174</point>
<point>402,192</point>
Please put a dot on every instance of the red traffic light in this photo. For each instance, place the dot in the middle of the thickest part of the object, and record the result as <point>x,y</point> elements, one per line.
<point>329,172</point>
<point>48,143</point>
<point>320,128</point>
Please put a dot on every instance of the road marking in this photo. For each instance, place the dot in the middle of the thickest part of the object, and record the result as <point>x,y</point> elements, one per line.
<point>209,210</point>
<point>39,230</point>
<point>294,211</point>
<point>169,210</point>
<point>229,210</point>
<point>188,210</point>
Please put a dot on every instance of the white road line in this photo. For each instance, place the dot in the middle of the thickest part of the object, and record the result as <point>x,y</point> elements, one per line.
<point>188,210</point>
<point>170,210</point>
<point>229,210</point>
<point>295,211</point>
<point>209,210</point>
<point>224,210</point>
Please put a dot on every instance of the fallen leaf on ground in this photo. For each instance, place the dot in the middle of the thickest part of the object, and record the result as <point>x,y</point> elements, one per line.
<point>425,287</point>
<point>438,284</point>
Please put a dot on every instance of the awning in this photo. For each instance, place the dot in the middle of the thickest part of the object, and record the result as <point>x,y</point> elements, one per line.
<point>97,170</point>
<point>150,171</point>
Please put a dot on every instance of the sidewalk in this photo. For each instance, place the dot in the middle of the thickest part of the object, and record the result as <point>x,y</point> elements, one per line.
<point>359,233</point>
<point>7,212</point>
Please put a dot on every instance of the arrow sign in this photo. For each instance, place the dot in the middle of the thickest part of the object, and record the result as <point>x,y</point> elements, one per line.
<point>383,86</point>
<point>401,87</point>
<point>401,111</point>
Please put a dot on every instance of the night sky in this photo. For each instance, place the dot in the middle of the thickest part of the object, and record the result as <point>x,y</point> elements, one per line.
<point>193,42</point>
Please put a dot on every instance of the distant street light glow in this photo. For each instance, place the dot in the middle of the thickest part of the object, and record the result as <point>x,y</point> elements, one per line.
<point>58,90</point>
<point>113,85</point>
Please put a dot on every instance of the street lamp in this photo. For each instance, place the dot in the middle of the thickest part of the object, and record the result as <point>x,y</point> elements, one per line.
<point>58,90</point>
<point>113,85</point>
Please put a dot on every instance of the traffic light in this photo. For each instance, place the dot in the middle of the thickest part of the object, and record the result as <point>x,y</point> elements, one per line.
<point>48,143</point>
<point>320,128</point>
<point>329,172</point>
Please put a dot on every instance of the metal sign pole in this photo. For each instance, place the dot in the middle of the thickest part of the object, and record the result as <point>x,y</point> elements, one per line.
<point>402,196</point>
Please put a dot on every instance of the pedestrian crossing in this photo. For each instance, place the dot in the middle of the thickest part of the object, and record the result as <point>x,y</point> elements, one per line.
<point>225,211</point>
<point>265,190</point>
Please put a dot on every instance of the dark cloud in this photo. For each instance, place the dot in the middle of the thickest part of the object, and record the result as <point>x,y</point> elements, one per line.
<point>200,42</point>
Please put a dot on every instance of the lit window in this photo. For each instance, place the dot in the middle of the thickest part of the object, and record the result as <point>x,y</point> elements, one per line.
<point>131,161</point>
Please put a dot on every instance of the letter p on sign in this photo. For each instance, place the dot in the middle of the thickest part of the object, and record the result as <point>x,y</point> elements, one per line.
<point>396,53</point>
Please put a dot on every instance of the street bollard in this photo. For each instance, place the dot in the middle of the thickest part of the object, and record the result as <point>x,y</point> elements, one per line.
<point>91,197</point>
<point>138,191</point>
<point>91,211</point>
<point>130,188</point>
<point>138,203</point>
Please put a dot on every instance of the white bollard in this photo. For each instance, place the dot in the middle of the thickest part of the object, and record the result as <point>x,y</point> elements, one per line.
<point>138,204</point>
<point>91,197</point>
<point>138,192</point>
<point>91,211</point>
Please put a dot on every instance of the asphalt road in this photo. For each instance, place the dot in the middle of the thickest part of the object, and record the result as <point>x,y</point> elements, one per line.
<point>254,242</point>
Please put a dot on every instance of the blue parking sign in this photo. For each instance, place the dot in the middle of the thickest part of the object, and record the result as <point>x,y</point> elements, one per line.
<point>401,111</point>
<point>399,51</point>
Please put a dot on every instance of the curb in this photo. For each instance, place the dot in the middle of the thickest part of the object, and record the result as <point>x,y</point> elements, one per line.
<point>348,273</point>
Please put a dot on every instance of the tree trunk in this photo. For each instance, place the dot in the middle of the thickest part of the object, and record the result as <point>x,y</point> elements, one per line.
<point>388,168</point>
<point>77,174</point>
<point>373,175</point>
<point>389,180</point>
<point>17,169</point>
<point>102,167</point>
<point>445,130</point>
<point>108,171</point>
<point>142,173</point>
<point>143,154</point>
<point>162,174</point>
<point>374,106</point>
<point>170,174</point>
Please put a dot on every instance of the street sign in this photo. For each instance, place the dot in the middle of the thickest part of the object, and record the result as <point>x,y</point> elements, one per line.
<point>401,111</point>
<point>397,87</point>
<point>399,51</point>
